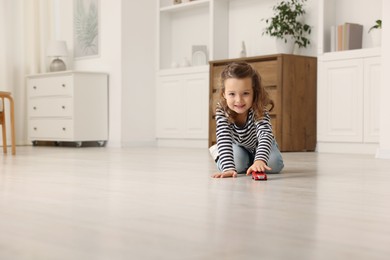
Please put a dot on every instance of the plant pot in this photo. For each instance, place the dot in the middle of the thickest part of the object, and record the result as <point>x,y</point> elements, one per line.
<point>285,47</point>
<point>376,37</point>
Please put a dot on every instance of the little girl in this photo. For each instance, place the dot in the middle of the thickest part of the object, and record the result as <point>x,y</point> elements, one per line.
<point>245,142</point>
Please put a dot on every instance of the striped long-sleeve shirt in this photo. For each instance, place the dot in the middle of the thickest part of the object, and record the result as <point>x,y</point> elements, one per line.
<point>255,136</point>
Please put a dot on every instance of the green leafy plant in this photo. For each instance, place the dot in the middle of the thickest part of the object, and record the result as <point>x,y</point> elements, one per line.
<point>378,25</point>
<point>286,22</point>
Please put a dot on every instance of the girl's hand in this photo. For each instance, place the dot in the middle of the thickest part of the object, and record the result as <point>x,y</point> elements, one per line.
<point>258,166</point>
<point>226,174</point>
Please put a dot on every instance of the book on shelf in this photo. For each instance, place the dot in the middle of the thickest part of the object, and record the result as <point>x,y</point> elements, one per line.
<point>340,38</point>
<point>354,36</point>
<point>347,36</point>
<point>333,38</point>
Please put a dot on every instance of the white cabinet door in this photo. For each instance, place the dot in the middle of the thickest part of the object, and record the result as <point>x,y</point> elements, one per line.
<point>372,85</point>
<point>196,104</point>
<point>340,106</point>
<point>182,102</point>
<point>170,107</point>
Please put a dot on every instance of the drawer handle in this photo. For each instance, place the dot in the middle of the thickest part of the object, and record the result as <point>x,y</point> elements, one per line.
<point>35,108</point>
<point>63,107</point>
<point>64,129</point>
<point>214,90</point>
<point>35,128</point>
<point>63,85</point>
<point>34,87</point>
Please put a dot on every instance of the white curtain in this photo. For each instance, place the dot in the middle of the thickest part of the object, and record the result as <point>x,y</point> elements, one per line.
<point>26,26</point>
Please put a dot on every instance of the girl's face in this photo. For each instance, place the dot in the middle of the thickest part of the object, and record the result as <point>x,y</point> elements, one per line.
<point>239,94</point>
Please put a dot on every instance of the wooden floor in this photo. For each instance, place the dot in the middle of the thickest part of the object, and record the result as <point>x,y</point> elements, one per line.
<point>160,203</point>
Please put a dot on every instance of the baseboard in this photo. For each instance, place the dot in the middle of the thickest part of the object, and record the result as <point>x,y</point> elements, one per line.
<point>150,143</point>
<point>183,143</point>
<point>114,144</point>
<point>382,153</point>
<point>349,148</point>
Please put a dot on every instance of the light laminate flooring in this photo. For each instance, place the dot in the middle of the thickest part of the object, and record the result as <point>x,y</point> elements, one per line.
<point>160,203</point>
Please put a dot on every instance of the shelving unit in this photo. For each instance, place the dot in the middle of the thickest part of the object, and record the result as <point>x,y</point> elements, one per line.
<point>335,12</point>
<point>181,26</point>
<point>348,81</point>
<point>184,25</point>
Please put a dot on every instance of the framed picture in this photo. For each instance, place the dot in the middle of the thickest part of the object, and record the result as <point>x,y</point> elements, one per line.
<point>199,55</point>
<point>86,29</point>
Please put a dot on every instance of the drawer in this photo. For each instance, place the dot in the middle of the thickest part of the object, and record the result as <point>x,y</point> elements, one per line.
<point>273,95</point>
<point>50,129</point>
<point>50,86</point>
<point>216,80</point>
<point>268,72</point>
<point>50,107</point>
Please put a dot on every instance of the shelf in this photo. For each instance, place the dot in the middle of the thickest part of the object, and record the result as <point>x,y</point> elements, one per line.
<point>350,54</point>
<point>184,6</point>
<point>333,13</point>
<point>181,27</point>
<point>185,70</point>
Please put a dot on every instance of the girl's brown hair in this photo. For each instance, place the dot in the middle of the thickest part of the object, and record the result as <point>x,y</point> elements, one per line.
<point>261,100</point>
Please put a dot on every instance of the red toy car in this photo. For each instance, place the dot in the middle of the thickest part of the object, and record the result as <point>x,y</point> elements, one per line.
<point>259,176</point>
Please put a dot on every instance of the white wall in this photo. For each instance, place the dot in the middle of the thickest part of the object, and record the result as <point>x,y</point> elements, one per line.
<point>127,53</point>
<point>138,72</point>
<point>384,140</point>
<point>109,59</point>
<point>245,24</point>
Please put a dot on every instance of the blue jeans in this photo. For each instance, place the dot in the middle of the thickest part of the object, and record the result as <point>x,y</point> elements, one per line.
<point>243,159</point>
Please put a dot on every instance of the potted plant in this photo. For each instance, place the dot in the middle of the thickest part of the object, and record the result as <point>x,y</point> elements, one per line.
<point>378,25</point>
<point>375,33</point>
<point>286,24</point>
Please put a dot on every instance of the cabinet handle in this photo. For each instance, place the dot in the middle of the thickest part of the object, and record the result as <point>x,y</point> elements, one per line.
<point>35,108</point>
<point>35,128</point>
<point>214,90</point>
<point>63,107</point>
<point>63,85</point>
<point>64,129</point>
<point>34,87</point>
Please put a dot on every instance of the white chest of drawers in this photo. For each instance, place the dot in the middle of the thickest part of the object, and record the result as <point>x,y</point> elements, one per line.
<point>68,106</point>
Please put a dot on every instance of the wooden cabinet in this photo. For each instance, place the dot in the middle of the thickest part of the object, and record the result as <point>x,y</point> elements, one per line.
<point>291,81</point>
<point>68,106</point>
<point>348,106</point>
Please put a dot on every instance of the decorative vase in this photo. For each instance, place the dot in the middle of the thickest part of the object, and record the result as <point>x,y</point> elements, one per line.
<point>185,62</point>
<point>376,37</point>
<point>243,50</point>
<point>285,47</point>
